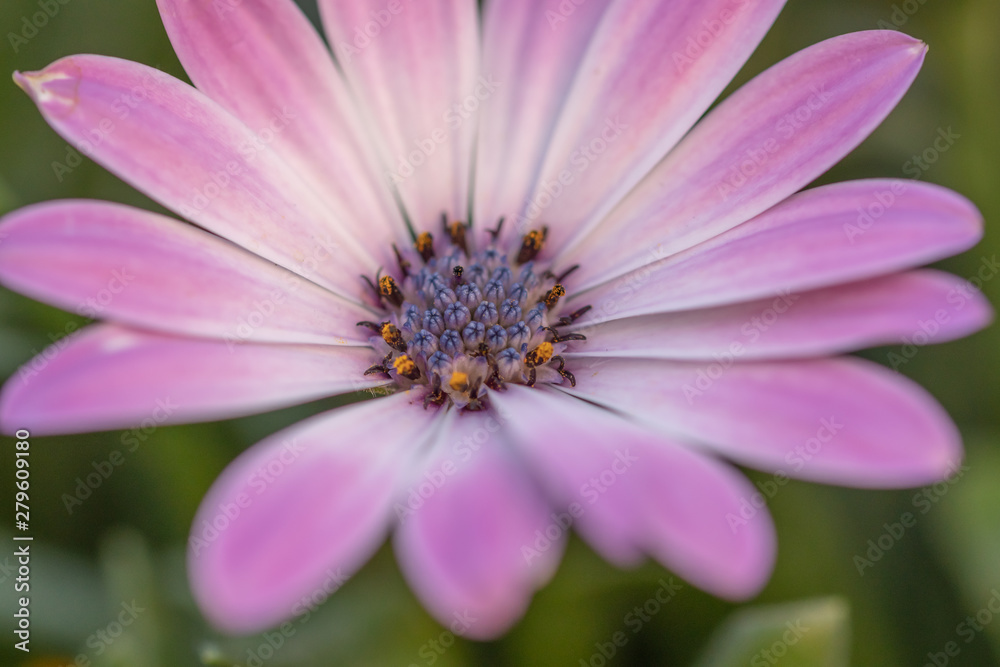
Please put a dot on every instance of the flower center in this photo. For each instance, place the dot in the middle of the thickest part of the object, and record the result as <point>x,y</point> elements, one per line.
<point>458,321</point>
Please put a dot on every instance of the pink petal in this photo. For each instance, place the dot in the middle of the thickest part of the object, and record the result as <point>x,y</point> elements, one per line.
<point>414,67</point>
<point>473,510</point>
<point>120,263</point>
<point>783,129</point>
<point>265,63</point>
<point>922,306</point>
<point>532,43</point>
<point>293,517</point>
<point>814,239</point>
<point>627,490</point>
<point>651,70</point>
<point>839,421</point>
<point>106,377</point>
<point>199,162</point>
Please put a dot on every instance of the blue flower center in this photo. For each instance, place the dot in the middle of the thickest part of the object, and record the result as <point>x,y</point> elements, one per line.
<point>458,321</point>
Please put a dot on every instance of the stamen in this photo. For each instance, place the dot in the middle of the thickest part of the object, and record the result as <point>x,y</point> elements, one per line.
<point>566,320</point>
<point>393,337</point>
<point>425,245</point>
<point>561,277</point>
<point>539,356</point>
<point>404,264</point>
<point>388,290</point>
<point>456,232</point>
<point>531,245</point>
<point>405,367</point>
<point>494,233</point>
<point>375,327</point>
<point>382,367</point>
<point>459,381</point>
<point>551,298</point>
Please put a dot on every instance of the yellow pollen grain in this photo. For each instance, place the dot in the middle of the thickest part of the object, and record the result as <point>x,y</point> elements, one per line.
<point>459,381</point>
<point>531,244</point>
<point>553,295</point>
<point>404,365</point>
<point>391,335</point>
<point>539,355</point>
<point>425,243</point>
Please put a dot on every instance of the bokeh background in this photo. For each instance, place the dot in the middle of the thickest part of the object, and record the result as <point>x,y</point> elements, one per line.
<point>124,543</point>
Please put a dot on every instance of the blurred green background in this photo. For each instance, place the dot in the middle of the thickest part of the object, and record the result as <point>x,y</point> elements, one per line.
<point>125,543</point>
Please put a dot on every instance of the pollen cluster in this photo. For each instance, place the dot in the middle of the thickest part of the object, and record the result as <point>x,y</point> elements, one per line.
<point>459,321</point>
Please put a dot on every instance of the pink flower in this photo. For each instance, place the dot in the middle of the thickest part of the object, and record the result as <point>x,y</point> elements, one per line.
<point>719,297</point>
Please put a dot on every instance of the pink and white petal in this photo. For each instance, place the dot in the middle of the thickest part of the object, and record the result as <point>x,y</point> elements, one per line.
<point>107,377</point>
<point>266,64</point>
<point>766,141</point>
<point>473,511</point>
<point>838,421</point>
<point>201,162</point>
<point>301,511</point>
<point>817,238</point>
<point>636,491</point>
<point>924,306</point>
<point>414,68</point>
<point>534,45</point>
<point>651,70</point>
<point>115,262</point>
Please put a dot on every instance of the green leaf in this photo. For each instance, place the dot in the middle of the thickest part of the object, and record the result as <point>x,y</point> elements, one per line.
<point>812,633</point>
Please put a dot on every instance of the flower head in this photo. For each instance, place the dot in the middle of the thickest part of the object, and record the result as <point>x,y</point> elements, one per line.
<point>579,301</point>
